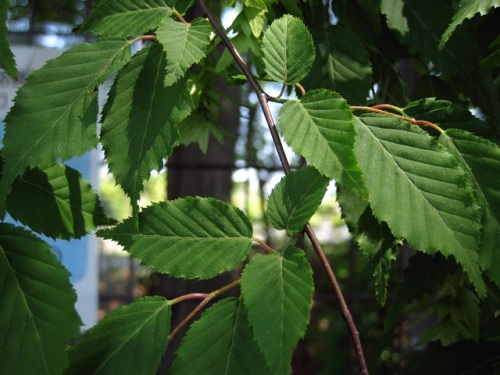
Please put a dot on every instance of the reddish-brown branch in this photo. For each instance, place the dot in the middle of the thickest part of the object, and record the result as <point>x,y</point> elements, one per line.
<point>263,101</point>
<point>264,245</point>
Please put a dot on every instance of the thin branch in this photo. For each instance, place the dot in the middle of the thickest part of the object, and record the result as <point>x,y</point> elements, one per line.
<point>263,100</point>
<point>202,304</point>
<point>265,246</point>
<point>189,296</point>
<point>178,15</point>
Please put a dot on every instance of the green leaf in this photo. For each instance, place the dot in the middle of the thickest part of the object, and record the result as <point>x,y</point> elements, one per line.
<point>184,43</point>
<point>288,50</point>
<point>197,128</point>
<point>481,159</point>
<point>467,9</point>
<point>37,318</point>
<point>341,64</point>
<point>220,342</point>
<point>129,340</point>
<point>277,292</point>
<point>58,192</point>
<point>55,112</point>
<point>420,191</point>
<point>295,199</point>
<point>320,127</point>
<point>7,61</point>
<point>189,237</point>
<point>124,18</point>
<point>140,120</point>
<point>393,10</point>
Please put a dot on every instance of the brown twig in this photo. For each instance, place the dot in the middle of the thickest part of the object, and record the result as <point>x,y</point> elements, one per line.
<point>202,304</point>
<point>263,100</point>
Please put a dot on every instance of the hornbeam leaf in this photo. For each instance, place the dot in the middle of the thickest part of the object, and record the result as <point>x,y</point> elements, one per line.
<point>393,11</point>
<point>55,112</point>
<point>221,342</point>
<point>7,61</point>
<point>467,9</point>
<point>61,193</point>
<point>341,64</point>
<point>288,50</point>
<point>420,191</point>
<point>38,317</point>
<point>295,199</point>
<point>184,43</point>
<point>129,340</point>
<point>481,159</point>
<point>277,292</point>
<point>124,18</point>
<point>320,127</point>
<point>189,237</point>
<point>140,120</point>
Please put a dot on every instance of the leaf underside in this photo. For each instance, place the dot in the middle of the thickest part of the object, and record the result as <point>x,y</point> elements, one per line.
<point>419,190</point>
<point>188,238</point>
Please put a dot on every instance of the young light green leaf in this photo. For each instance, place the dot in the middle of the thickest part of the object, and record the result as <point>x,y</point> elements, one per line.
<point>277,292</point>
<point>295,199</point>
<point>124,18</point>
<point>467,9</point>
<point>7,61</point>
<point>197,129</point>
<point>55,112</point>
<point>38,317</point>
<point>341,64</point>
<point>288,50</point>
<point>129,340</point>
<point>393,11</point>
<point>140,120</point>
<point>184,43</point>
<point>188,238</point>
<point>420,191</point>
<point>61,193</point>
<point>481,159</point>
<point>320,127</point>
<point>221,342</point>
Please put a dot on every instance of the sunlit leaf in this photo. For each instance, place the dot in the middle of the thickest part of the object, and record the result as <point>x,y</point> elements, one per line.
<point>220,343</point>
<point>129,340</point>
<point>288,50</point>
<point>140,120</point>
<point>55,112</point>
<point>61,193</point>
<point>481,159</point>
<point>467,9</point>
<point>277,292</point>
<point>189,237</point>
<point>295,199</point>
<point>393,11</point>
<point>126,17</point>
<point>184,43</point>
<point>320,127</point>
<point>38,318</point>
<point>420,191</point>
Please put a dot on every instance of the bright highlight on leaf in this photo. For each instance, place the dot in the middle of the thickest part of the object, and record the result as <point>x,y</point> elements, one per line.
<point>61,193</point>
<point>189,238</point>
<point>220,343</point>
<point>288,50</point>
<point>320,127</point>
<point>467,9</point>
<point>184,43</point>
<point>126,18</point>
<point>295,199</point>
<point>129,340</point>
<point>277,292</point>
<point>55,112</point>
<point>37,317</point>
<point>140,120</point>
<point>420,191</point>
<point>481,159</point>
